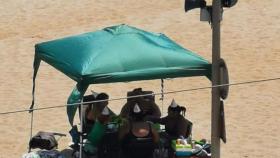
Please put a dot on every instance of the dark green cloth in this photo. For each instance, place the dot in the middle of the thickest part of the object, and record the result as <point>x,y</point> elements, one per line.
<point>96,133</point>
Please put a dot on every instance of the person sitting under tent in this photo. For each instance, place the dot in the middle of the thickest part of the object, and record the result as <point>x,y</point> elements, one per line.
<point>102,120</point>
<point>94,110</point>
<point>97,132</point>
<point>87,121</point>
<point>146,103</point>
<point>176,125</point>
<point>138,137</point>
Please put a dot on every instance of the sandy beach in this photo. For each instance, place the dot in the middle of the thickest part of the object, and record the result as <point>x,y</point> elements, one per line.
<point>250,46</point>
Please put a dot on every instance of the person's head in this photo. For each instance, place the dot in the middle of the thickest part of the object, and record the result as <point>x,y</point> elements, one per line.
<point>102,96</point>
<point>174,109</point>
<point>137,113</point>
<point>104,116</point>
<point>89,107</point>
<point>89,98</point>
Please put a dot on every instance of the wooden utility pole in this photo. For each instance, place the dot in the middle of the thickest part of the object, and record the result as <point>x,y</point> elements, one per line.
<point>215,133</point>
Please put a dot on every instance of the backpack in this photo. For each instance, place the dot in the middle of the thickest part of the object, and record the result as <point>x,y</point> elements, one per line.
<point>44,140</point>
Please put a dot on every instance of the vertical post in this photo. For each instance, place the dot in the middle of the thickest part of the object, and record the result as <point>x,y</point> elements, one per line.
<point>31,128</point>
<point>82,132</point>
<point>215,138</point>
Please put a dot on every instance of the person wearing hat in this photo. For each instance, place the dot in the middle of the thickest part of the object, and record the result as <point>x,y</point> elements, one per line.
<point>97,132</point>
<point>94,110</point>
<point>138,137</point>
<point>176,125</point>
<point>146,103</point>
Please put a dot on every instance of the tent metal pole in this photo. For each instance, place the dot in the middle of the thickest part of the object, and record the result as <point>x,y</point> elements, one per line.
<point>31,129</point>
<point>215,136</point>
<point>81,135</point>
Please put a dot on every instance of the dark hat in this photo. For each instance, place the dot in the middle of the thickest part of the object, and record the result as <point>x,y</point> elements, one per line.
<point>102,96</point>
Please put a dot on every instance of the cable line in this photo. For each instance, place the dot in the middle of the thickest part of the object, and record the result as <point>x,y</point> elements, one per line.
<point>143,95</point>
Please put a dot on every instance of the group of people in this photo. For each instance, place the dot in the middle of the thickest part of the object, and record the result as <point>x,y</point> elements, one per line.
<point>138,135</point>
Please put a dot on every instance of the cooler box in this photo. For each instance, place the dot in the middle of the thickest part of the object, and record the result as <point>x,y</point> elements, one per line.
<point>181,150</point>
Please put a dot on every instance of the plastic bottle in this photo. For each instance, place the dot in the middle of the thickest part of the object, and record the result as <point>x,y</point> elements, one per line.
<point>189,139</point>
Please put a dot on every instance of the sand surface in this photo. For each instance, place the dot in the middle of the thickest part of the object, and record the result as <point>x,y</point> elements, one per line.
<point>250,45</point>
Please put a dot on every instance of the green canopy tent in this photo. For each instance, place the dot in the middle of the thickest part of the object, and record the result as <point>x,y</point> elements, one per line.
<point>117,54</point>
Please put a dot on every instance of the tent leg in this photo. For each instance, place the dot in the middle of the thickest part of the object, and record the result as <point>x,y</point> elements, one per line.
<point>82,132</point>
<point>215,133</point>
<point>31,129</point>
<point>162,94</point>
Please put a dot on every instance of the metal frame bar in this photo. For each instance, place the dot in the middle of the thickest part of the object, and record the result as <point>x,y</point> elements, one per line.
<point>81,135</point>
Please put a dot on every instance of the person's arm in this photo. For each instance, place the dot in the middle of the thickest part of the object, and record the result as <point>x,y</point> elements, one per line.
<point>182,127</point>
<point>124,129</point>
<point>189,125</point>
<point>155,136</point>
<point>90,115</point>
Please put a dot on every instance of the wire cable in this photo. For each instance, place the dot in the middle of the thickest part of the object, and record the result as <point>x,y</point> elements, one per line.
<point>159,93</point>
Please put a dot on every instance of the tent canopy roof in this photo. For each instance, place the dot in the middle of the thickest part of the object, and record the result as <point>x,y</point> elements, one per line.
<point>117,54</point>
<point>120,53</point>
